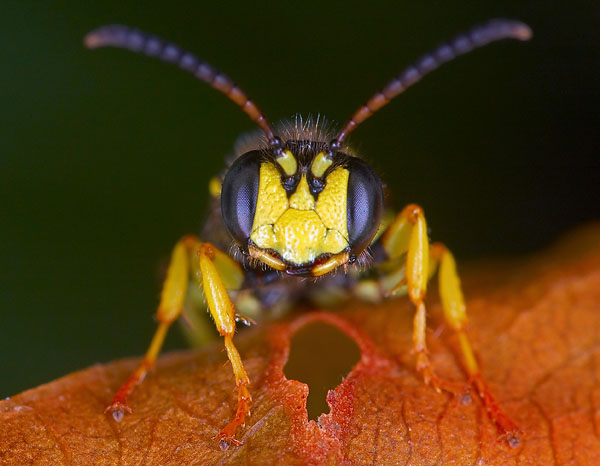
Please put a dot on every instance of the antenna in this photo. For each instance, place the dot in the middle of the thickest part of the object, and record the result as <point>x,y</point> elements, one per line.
<point>477,37</point>
<point>125,37</point>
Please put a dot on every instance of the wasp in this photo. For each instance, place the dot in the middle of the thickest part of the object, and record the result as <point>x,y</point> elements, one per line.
<point>297,201</point>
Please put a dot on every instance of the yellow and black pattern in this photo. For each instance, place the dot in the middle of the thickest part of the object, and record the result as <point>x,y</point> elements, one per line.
<point>297,201</point>
<point>301,227</point>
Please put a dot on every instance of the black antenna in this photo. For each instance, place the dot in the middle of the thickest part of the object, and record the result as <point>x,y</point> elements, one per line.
<point>478,36</point>
<point>124,37</point>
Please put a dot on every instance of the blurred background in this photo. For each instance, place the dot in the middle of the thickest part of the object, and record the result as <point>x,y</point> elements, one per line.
<point>105,156</point>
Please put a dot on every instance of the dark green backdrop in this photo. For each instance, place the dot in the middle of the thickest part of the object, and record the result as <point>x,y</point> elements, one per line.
<point>105,156</point>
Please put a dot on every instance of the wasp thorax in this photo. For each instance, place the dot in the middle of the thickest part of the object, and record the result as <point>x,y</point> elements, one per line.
<point>302,206</point>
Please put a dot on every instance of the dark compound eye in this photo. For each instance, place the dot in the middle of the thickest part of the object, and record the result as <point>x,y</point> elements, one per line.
<point>238,195</point>
<point>364,204</point>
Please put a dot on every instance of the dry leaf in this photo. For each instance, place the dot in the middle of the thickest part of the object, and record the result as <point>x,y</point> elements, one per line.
<point>535,326</point>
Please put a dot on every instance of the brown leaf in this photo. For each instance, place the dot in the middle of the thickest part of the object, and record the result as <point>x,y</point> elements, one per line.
<point>535,326</point>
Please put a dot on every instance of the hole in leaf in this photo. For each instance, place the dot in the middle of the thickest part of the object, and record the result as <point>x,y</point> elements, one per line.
<point>320,356</point>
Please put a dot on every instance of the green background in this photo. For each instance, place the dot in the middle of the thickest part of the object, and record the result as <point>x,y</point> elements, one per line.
<point>105,156</point>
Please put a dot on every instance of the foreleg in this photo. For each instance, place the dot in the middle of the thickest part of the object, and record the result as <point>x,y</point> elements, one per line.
<point>216,272</point>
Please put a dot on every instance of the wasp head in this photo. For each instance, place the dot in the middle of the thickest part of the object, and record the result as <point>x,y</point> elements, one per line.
<point>304,207</point>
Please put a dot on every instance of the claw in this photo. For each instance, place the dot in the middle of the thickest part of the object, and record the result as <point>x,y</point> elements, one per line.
<point>118,410</point>
<point>466,399</point>
<point>510,431</point>
<point>225,442</point>
<point>513,439</point>
<point>227,435</point>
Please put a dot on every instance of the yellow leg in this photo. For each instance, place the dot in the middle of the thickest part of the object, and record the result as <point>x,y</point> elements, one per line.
<point>408,235</point>
<point>169,309</point>
<point>410,229</point>
<point>397,240</point>
<point>216,272</point>
<point>456,316</point>
<point>223,313</point>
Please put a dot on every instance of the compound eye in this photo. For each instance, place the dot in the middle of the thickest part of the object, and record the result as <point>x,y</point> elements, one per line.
<point>238,196</point>
<point>364,204</point>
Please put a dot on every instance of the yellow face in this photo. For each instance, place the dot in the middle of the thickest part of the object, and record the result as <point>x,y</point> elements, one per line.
<point>302,209</point>
<point>298,227</point>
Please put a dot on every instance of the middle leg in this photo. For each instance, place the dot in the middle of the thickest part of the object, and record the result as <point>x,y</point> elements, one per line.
<point>408,235</point>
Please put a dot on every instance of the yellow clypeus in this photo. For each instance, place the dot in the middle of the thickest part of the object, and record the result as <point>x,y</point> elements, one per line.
<point>300,229</point>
